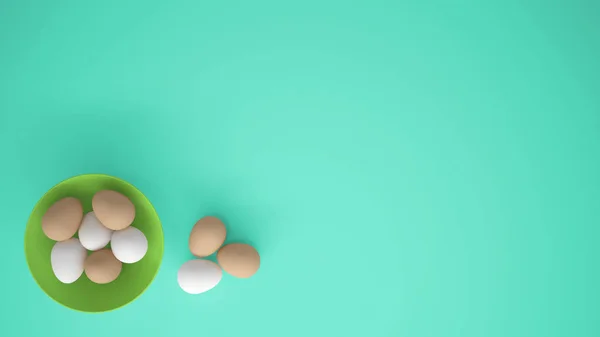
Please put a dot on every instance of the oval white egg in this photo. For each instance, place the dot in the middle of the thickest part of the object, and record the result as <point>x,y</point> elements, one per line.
<point>92,234</point>
<point>129,245</point>
<point>198,276</point>
<point>67,258</point>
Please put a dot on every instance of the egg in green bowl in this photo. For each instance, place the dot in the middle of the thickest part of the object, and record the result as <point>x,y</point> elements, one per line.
<point>83,294</point>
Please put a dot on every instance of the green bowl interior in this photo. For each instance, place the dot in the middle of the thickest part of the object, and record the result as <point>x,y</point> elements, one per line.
<point>84,295</point>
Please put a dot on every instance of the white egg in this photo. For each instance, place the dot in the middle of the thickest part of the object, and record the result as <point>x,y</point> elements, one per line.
<point>92,234</point>
<point>198,276</point>
<point>129,245</point>
<point>67,258</point>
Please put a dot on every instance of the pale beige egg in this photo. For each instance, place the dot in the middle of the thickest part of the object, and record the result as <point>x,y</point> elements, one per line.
<point>102,266</point>
<point>61,221</point>
<point>239,260</point>
<point>114,210</point>
<point>208,234</point>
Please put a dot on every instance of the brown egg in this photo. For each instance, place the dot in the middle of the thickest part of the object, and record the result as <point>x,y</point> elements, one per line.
<point>102,266</point>
<point>114,210</point>
<point>208,234</point>
<point>239,260</point>
<point>61,221</point>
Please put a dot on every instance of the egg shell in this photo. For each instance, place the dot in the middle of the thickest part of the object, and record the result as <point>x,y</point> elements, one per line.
<point>208,234</point>
<point>67,260</point>
<point>62,219</point>
<point>198,276</point>
<point>114,210</point>
<point>129,245</point>
<point>102,267</point>
<point>239,260</point>
<point>92,234</point>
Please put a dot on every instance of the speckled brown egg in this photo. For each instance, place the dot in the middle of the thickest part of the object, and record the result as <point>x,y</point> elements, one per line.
<point>102,266</point>
<point>208,234</point>
<point>239,260</point>
<point>61,221</point>
<point>114,210</point>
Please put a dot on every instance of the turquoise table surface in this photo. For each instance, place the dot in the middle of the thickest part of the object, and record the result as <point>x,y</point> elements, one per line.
<point>404,168</point>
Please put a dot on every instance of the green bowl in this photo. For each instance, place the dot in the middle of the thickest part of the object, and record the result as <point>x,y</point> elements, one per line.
<point>83,294</point>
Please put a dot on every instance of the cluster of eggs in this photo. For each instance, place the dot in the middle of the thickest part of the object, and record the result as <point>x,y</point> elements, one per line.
<point>109,222</point>
<point>237,259</point>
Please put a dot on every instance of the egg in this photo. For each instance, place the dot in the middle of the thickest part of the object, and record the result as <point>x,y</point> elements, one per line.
<point>102,267</point>
<point>239,260</point>
<point>208,234</point>
<point>67,260</point>
<point>129,245</point>
<point>114,210</point>
<point>62,219</point>
<point>198,276</point>
<point>92,234</point>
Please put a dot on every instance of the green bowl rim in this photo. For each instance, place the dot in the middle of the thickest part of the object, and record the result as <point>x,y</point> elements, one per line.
<point>37,204</point>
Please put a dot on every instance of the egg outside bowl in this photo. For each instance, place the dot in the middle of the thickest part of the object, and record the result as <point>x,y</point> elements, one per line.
<point>83,294</point>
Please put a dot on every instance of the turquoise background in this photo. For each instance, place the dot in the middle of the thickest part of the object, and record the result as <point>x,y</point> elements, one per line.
<point>423,168</point>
